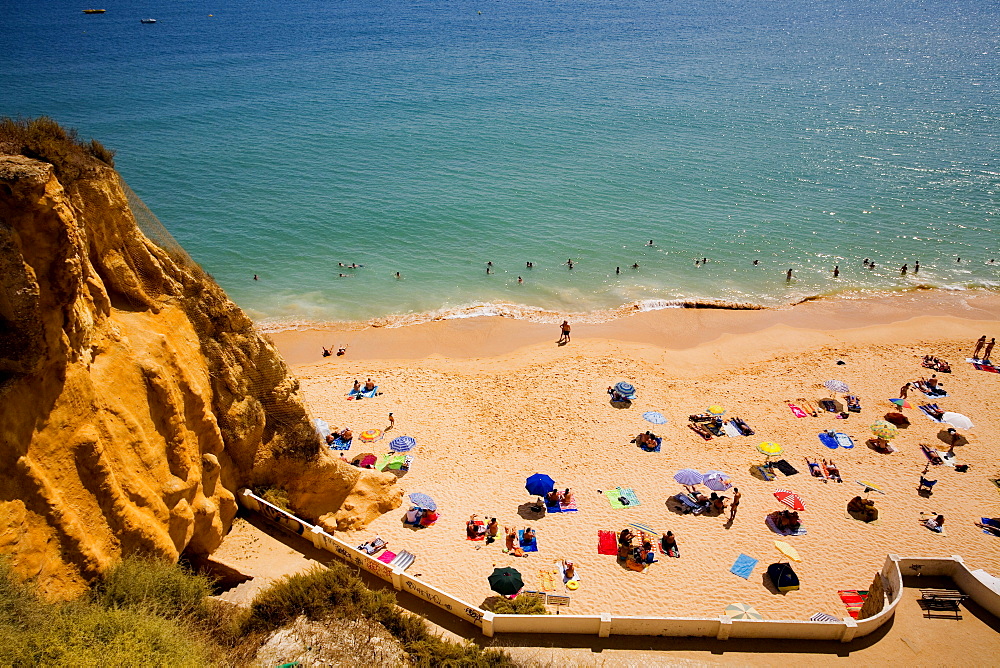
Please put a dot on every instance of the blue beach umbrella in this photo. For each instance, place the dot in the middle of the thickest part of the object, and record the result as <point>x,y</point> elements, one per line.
<point>402,444</point>
<point>422,501</point>
<point>654,417</point>
<point>539,484</point>
<point>625,389</point>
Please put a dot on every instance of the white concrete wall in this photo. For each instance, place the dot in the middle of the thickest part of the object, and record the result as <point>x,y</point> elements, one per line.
<point>982,587</point>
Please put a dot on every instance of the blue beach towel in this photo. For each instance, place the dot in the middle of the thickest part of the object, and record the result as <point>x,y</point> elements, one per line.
<point>828,441</point>
<point>339,444</point>
<point>743,566</point>
<point>527,547</point>
<point>556,507</point>
<point>354,393</point>
<point>659,442</point>
<point>370,393</point>
<point>845,441</point>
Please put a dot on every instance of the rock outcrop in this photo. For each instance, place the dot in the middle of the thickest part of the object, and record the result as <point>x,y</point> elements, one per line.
<point>135,397</point>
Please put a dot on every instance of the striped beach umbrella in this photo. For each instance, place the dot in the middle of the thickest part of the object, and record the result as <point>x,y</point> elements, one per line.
<point>837,386</point>
<point>717,481</point>
<point>370,435</point>
<point>402,444</point>
<point>789,498</point>
<point>742,611</point>
<point>689,477</point>
<point>625,389</point>
<point>902,403</point>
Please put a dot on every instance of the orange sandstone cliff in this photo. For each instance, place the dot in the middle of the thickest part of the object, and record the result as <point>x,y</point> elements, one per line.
<point>135,397</point>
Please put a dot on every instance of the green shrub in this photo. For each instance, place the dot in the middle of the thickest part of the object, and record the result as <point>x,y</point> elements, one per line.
<point>276,496</point>
<point>161,588</point>
<point>521,605</point>
<point>43,139</point>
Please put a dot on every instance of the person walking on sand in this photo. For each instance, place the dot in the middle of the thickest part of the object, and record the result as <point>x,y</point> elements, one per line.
<point>735,503</point>
<point>989,349</point>
<point>903,390</point>
<point>392,422</point>
<point>979,346</point>
<point>564,332</point>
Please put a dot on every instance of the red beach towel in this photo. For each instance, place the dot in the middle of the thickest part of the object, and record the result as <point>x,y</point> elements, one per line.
<point>607,542</point>
<point>386,556</point>
<point>853,599</point>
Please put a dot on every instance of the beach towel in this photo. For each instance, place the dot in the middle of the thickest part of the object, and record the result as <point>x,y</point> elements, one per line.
<point>994,525</point>
<point>796,411</point>
<point>546,579</point>
<point>786,468</point>
<point>950,460</point>
<point>403,560</point>
<point>743,566</point>
<point>530,546</point>
<point>843,440</point>
<point>387,557</point>
<point>828,440</point>
<point>926,410</point>
<point>772,525</point>
<point>764,473</point>
<point>823,617</point>
<point>556,507</point>
<point>853,599</point>
<point>338,444</point>
<point>607,542</point>
<point>615,497</point>
<point>986,367</point>
<point>481,536</point>
<point>731,429</point>
<point>930,392</point>
<point>370,393</point>
<point>688,504</point>
<point>656,448</point>
<point>353,394</point>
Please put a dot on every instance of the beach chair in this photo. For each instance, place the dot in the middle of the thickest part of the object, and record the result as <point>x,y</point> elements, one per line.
<point>403,560</point>
<point>556,599</point>
<point>689,505</point>
<point>926,486</point>
<point>373,546</point>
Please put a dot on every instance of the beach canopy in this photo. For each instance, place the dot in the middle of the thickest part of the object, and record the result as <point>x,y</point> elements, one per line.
<point>770,448</point>
<point>422,501</point>
<point>506,581</point>
<point>787,550</point>
<point>654,417</point>
<point>689,477</point>
<point>957,420</point>
<point>625,389</point>
<point>365,459</point>
<point>370,435</point>
<point>902,403</point>
<point>716,409</point>
<point>322,427</point>
<point>717,481</point>
<point>884,429</point>
<point>869,487</point>
<point>539,484</point>
<point>789,498</point>
<point>837,386</point>
<point>783,577</point>
<point>742,611</point>
<point>402,444</point>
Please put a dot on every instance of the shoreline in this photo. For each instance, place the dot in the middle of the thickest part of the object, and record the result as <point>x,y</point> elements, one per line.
<point>671,328</point>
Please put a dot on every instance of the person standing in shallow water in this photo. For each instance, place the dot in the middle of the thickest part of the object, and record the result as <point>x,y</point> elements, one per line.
<point>902,270</point>
<point>788,275</point>
<point>564,332</point>
<point>836,271</point>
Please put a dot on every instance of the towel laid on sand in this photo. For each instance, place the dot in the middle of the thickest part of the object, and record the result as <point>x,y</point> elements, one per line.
<point>339,444</point>
<point>616,495</point>
<point>531,545</point>
<point>743,566</point>
<point>786,468</point>
<point>386,556</point>
<point>556,507</point>
<point>607,542</point>
<point>796,411</point>
<point>853,599</point>
<point>772,525</point>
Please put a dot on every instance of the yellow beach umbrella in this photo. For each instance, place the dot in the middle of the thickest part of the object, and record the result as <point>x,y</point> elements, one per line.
<point>770,448</point>
<point>371,435</point>
<point>787,550</point>
<point>716,409</point>
<point>884,429</point>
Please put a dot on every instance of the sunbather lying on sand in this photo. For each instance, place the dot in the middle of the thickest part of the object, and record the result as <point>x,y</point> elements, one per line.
<point>832,470</point>
<point>815,470</point>
<point>935,524</point>
<point>474,529</point>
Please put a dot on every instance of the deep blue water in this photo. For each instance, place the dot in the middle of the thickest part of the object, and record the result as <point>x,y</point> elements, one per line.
<point>428,138</point>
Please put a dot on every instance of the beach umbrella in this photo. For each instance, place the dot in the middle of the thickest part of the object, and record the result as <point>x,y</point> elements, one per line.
<point>869,487</point>
<point>422,501</point>
<point>957,420</point>
<point>506,581</point>
<point>884,429</point>
<point>365,459</point>
<point>370,435</point>
<point>624,389</point>
<point>770,449</point>
<point>742,611</point>
<point>689,477</point>
<point>787,550</point>
<point>837,386</point>
<point>654,417</point>
<point>790,499</point>
<point>402,444</point>
<point>539,484</point>
<point>322,427</point>
<point>716,409</point>
<point>902,403</point>
<point>717,481</point>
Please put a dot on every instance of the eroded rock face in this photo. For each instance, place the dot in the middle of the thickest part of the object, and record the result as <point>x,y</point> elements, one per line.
<point>135,398</point>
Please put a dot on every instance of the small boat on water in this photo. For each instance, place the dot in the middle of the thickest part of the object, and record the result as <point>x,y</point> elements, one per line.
<point>94,11</point>
<point>147,20</point>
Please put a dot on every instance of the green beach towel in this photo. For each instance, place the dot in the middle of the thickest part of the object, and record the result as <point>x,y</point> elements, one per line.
<point>616,495</point>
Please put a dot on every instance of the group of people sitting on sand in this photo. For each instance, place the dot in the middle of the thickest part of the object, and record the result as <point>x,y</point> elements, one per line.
<point>475,529</point>
<point>513,542</point>
<point>563,498</point>
<point>648,441</point>
<point>636,551</point>
<point>421,517</point>
<point>863,507</point>
<point>930,386</point>
<point>344,436</point>
<point>939,365</point>
<point>787,521</point>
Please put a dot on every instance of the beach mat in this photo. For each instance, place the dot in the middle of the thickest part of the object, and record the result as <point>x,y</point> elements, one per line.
<point>843,440</point>
<point>796,411</point>
<point>786,468</point>
<point>986,367</point>
<point>743,566</point>
<point>560,508</point>
<point>386,556</point>
<point>340,445</point>
<point>769,520</point>
<point>828,441</point>
<point>481,536</point>
<point>615,496</point>
<point>853,599</point>
<point>925,411</point>
<point>607,542</point>
<point>731,430</point>
<point>527,547</point>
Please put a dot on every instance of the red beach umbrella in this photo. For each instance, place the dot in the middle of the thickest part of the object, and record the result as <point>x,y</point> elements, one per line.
<point>790,499</point>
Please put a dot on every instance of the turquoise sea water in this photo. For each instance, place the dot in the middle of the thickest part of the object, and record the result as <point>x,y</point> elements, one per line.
<point>428,138</point>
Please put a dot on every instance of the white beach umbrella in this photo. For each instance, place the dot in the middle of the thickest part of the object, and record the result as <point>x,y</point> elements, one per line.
<point>957,420</point>
<point>837,386</point>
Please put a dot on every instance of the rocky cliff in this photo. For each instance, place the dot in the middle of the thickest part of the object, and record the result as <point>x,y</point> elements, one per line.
<point>135,397</point>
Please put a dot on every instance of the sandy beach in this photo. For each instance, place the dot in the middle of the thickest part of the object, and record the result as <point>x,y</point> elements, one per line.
<point>491,401</point>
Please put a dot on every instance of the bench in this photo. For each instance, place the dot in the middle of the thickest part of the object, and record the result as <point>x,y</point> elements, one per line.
<point>555,599</point>
<point>942,599</point>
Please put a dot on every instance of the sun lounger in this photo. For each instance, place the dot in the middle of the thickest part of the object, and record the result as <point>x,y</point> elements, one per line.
<point>796,411</point>
<point>764,472</point>
<point>786,468</point>
<point>743,566</point>
<point>942,599</point>
<point>529,546</point>
<point>688,504</point>
<point>557,599</point>
<point>773,526</point>
<point>403,560</point>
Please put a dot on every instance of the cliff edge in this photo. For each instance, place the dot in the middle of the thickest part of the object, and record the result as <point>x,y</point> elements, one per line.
<point>136,397</point>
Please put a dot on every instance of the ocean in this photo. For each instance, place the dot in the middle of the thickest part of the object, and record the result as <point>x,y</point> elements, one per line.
<point>431,137</point>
